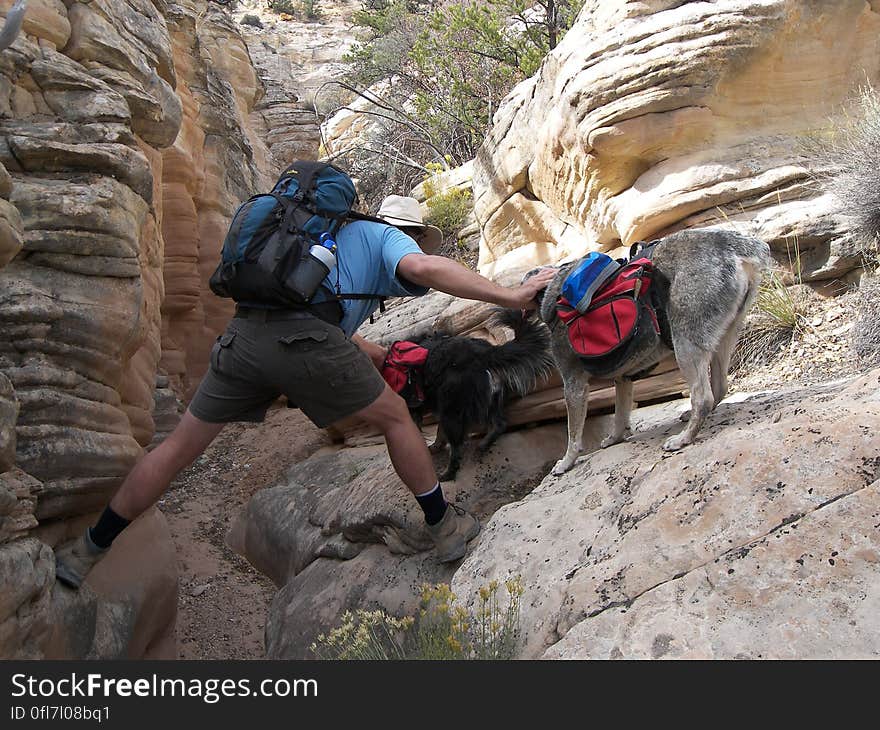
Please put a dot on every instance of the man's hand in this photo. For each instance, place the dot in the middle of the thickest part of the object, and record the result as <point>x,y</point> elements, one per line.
<point>524,294</point>
<point>376,352</point>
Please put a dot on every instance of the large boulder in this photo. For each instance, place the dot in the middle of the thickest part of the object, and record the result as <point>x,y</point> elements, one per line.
<point>759,540</point>
<point>655,116</point>
<point>343,533</point>
<point>127,607</point>
<point>27,574</point>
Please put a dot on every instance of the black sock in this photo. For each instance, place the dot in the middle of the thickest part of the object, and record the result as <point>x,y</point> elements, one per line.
<point>433,505</point>
<point>109,526</point>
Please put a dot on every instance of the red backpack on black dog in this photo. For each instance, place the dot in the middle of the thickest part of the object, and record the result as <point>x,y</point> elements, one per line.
<point>402,370</point>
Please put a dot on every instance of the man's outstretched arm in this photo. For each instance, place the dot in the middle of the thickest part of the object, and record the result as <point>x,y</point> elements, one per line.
<point>446,275</point>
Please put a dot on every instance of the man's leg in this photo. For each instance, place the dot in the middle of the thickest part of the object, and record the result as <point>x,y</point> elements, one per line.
<point>330,378</point>
<point>153,474</point>
<point>145,483</point>
<point>406,446</point>
<point>450,527</point>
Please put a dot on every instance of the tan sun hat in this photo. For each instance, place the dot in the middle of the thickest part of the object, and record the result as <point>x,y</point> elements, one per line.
<point>405,212</point>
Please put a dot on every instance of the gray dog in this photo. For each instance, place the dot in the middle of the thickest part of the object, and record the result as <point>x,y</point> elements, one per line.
<point>706,281</point>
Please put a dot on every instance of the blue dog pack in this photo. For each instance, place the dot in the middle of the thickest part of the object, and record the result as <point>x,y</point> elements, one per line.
<point>590,275</point>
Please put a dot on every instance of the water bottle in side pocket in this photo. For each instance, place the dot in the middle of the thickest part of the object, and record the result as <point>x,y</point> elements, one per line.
<point>313,269</point>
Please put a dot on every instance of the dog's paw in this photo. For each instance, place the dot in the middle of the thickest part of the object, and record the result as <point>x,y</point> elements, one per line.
<point>676,442</point>
<point>562,466</point>
<point>612,440</point>
<point>436,448</point>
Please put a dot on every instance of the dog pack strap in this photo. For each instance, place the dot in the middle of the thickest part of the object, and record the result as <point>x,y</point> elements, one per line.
<point>642,249</point>
<point>661,318</point>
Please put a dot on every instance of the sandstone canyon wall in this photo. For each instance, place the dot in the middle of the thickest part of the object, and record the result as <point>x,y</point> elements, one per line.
<point>125,147</point>
<point>216,162</point>
<point>295,59</point>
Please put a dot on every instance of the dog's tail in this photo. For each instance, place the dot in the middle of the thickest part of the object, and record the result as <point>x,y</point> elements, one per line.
<point>12,25</point>
<point>754,257</point>
<point>520,363</point>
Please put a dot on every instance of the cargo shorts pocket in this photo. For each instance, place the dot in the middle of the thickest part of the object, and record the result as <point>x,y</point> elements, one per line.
<point>223,342</point>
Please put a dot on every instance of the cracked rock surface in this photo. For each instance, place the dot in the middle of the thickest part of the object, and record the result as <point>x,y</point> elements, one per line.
<point>760,540</point>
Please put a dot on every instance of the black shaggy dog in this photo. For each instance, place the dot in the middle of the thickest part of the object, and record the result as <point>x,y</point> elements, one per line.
<point>468,381</point>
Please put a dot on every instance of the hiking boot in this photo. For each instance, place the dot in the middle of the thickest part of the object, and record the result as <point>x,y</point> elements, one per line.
<point>452,534</point>
<point>75,559</point>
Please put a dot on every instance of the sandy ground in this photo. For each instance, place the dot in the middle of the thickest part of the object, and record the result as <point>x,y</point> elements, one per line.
<point>223,600</point>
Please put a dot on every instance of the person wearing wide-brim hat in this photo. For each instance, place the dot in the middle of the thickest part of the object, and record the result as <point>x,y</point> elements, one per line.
<point>406,214</point>
<point>314,357</point>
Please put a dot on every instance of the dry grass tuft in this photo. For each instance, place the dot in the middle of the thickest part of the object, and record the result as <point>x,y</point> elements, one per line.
<point>778,316</point>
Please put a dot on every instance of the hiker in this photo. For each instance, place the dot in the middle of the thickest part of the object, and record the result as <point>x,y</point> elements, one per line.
<point>312,356</point>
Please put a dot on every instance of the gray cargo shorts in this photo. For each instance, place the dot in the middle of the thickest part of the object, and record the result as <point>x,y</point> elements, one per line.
<point>266,355</point>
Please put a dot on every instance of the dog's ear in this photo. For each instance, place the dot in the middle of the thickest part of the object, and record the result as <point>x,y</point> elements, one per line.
<point>530,273</point>
<point>539,297</point>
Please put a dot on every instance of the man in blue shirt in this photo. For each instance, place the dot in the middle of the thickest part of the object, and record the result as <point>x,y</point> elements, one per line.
<point>316,360</point>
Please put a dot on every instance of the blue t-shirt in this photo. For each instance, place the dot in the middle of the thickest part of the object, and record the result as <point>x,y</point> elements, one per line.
<point>367,255</point>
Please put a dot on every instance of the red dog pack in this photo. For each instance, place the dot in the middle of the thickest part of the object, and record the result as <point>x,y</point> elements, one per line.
<point>618,312</point>
<point>402,370</point>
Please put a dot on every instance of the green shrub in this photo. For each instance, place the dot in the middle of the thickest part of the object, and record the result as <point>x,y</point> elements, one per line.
<point>441,630</point>
<point>448,210</point>
<point>304,9</point>
<point>455,61</point>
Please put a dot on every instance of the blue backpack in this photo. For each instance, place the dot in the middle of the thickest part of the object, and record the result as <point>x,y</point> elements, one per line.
<point>582,283</point>
<point>271,234</point>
